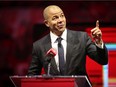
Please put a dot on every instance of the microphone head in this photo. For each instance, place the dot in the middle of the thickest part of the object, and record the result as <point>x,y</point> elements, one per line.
<point>51,52</point>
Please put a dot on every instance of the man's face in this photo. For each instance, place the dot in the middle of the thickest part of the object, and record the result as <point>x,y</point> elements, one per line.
<point>56,20</point>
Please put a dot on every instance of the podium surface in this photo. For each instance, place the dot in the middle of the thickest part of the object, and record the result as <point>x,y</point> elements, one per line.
<point>50,81</point>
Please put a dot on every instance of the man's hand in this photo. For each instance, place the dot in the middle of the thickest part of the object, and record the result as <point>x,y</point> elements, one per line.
<point>97,34</point>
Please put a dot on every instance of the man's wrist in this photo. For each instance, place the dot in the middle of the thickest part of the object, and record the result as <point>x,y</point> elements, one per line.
<point>99,43</point>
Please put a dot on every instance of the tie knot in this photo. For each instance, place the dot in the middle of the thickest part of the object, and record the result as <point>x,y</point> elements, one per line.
<point>59,39</point>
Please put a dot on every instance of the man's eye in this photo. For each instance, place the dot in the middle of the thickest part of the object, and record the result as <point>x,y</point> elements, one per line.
<point>62,15</point>
<point>54,18</point>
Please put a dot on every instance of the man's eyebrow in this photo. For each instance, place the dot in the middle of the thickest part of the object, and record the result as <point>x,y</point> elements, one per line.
<point>55,15</point>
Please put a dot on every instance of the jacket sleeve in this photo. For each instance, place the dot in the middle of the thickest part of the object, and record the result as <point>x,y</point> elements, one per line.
<point>94,52</point>
<point>36,65</point>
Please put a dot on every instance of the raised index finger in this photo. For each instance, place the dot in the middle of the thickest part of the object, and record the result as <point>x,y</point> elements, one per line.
<point>97,23</point>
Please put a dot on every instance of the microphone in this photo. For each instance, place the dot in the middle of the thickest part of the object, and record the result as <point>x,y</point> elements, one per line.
<point>50,54</point>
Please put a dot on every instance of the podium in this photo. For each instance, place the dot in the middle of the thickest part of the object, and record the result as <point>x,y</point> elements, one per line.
<point>50,81</point>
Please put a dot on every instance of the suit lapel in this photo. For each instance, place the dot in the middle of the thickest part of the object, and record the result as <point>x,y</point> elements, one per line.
<point>47,44</point>
<point>47,47</point>
<point>71,45</point>
<point>69,49</point>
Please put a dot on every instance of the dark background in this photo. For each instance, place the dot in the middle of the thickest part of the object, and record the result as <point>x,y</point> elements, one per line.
<point>21,23</point>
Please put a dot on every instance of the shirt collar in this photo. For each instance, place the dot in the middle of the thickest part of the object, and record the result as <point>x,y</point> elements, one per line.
<point>54,37</point>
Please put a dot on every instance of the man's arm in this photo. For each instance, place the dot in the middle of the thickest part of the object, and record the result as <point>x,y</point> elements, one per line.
<point>96,53</point>
<point>97,50</point>
<point>35,66</point>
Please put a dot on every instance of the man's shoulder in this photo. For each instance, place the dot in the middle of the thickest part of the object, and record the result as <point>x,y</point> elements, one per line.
<point>75,32</point>
<point>42,40</point>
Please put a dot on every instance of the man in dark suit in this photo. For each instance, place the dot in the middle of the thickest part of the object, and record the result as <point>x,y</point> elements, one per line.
<point>75,44</point>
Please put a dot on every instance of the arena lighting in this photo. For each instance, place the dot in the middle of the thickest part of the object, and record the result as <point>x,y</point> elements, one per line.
<point>105,75</point>
<point>111,46</point>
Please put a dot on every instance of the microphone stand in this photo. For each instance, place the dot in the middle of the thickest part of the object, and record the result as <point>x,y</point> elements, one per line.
<point>48,73</point>
<point>50,54</point>
<point>49,64</point>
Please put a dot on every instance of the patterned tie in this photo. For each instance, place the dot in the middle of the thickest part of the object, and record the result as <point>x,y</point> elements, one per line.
<point>61,56</point>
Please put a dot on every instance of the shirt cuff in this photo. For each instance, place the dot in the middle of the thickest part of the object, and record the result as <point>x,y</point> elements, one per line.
<point>100,45</point>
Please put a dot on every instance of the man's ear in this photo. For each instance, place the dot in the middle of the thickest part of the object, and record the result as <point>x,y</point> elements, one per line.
<point>46,23</point>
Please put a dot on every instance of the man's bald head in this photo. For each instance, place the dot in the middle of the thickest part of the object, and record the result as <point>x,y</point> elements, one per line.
<point>54,18</point>
<point>49,9</point>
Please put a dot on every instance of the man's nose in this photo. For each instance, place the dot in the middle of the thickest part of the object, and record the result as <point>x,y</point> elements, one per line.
<point>60,19</point>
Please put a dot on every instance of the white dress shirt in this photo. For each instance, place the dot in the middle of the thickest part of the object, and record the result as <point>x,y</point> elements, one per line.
<point>54,44</point>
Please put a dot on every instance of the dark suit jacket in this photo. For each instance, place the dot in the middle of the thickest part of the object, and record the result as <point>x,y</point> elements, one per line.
<point>79,45</point>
